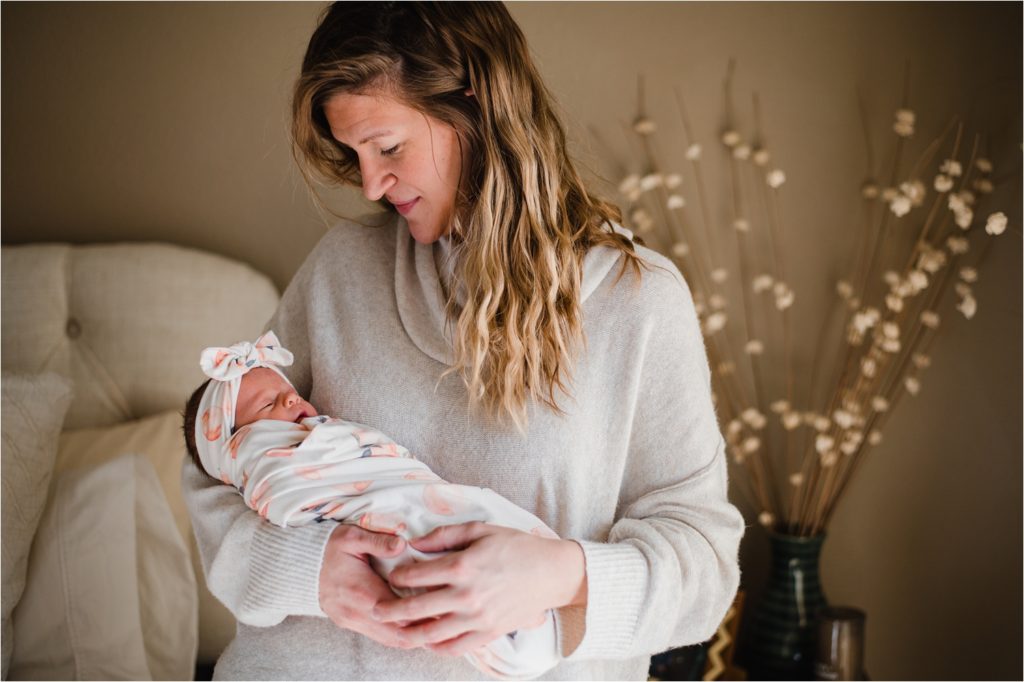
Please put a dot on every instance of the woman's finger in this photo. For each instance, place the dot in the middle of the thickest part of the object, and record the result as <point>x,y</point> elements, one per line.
<point>355,540</point>
<point>388,634</point>
<point>447,538</point>
<point>463,644</point>
<point>427,605</point>
<point>437,630</point>
<point>351,614</point>
<point>442,571</point>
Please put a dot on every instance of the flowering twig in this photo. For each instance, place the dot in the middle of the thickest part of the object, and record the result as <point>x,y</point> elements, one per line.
<point>887,334</point>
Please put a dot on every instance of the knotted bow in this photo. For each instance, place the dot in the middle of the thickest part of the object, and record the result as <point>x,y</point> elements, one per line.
<point>216,417</point>
<point>225,364</point>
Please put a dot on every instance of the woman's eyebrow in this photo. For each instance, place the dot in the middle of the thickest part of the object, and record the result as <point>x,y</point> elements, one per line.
<point>374,136</point>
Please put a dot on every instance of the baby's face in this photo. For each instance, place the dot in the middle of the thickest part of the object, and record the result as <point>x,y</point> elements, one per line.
<point>264,394</point>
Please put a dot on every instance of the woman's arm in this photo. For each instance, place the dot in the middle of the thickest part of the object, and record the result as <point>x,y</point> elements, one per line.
<point>666,576</point>
<point>262,573</point>
<point>669,569</point>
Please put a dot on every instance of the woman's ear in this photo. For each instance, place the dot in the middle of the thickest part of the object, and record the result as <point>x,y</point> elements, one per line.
<point>469,92</point>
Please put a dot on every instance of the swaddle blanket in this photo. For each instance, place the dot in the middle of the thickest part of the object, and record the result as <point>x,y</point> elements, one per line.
<point>329,469</point>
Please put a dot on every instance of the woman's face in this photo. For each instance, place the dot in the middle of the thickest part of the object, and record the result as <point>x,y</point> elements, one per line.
<point>405,156</point>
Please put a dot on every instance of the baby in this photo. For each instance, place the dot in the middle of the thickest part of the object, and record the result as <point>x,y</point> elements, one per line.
<point>247,427</point>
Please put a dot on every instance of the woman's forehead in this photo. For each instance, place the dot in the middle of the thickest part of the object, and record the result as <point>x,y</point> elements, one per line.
<point>356,120</point>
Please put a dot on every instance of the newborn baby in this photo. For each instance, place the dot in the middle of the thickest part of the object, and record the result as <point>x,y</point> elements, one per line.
<point>248,427</point>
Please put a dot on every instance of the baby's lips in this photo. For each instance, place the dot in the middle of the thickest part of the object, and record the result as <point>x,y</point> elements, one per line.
<point>308,413</point>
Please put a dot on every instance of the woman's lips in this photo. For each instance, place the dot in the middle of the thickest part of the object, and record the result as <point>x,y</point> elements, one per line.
<point>407,206</point>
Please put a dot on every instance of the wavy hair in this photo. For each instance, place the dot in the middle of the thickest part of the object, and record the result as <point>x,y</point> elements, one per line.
<point>523,219</point>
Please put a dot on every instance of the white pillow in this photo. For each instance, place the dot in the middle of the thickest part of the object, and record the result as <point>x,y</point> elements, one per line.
<point>33,410</point>
<point>161,439</point>
<point>158,437</point>
<point>110,591</point>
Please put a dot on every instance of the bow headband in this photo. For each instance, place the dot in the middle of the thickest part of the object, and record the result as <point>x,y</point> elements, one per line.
<point>216,417</point>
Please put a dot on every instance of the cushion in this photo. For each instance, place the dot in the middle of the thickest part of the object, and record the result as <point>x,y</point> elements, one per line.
<point>125,322</point>
<point>160,439</point>
<point>33,410</point>
<point>110,591</point>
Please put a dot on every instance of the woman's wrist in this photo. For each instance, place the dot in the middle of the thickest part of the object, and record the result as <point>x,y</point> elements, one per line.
<point>574,568</point>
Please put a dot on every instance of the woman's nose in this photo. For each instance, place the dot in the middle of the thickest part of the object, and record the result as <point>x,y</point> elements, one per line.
<point>376,180</point>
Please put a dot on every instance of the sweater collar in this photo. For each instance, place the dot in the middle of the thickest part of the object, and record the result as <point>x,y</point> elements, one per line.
<point>419,269</point>
<point>419,296</point>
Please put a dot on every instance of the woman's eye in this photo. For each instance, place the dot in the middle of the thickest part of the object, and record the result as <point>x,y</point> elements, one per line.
<point>390,151</point>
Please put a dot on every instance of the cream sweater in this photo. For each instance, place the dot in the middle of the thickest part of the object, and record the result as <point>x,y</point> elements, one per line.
<point>635,471</point>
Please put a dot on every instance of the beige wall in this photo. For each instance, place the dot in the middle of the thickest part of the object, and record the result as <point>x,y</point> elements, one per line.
<point>126,121</point>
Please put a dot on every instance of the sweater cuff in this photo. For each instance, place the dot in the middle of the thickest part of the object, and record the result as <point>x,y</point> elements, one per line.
<point>285,570</point>
<point>616,585</point>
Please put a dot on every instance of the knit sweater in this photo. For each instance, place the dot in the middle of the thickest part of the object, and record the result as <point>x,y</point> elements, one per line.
<point>634,471</point>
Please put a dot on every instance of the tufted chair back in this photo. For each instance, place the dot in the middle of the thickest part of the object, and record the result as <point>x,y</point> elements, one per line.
<point>125,322</point>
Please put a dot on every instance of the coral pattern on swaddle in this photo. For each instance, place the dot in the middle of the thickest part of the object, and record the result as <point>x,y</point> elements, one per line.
<point>328,469</point>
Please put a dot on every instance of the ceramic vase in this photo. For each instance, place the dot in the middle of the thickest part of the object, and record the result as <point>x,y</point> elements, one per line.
<point>781,640</point>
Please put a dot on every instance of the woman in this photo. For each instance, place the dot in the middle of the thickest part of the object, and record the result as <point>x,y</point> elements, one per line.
<point>504,331</point>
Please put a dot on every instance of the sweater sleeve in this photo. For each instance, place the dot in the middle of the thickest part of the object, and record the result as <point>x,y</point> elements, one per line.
<point>262,573</point>
<point>668,571</point>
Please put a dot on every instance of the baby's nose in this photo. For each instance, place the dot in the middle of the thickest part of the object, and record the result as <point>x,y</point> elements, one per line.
<point>291,399</point>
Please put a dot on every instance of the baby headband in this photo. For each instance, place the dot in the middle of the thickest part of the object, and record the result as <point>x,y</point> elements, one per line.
<point>226,367</point>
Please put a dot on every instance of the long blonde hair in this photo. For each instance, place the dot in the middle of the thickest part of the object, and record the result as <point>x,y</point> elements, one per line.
<point>524,225</point>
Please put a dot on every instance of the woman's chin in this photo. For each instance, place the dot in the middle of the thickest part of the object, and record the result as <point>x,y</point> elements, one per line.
<point>424,235</point>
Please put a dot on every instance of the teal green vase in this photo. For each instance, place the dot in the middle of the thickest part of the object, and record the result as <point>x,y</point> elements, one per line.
<point>781,638</point>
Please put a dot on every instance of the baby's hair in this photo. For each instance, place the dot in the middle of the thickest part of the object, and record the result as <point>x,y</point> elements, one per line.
<point>189,417</point>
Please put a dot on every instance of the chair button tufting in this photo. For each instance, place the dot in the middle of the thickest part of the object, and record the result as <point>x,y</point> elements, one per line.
<point>73,328</point>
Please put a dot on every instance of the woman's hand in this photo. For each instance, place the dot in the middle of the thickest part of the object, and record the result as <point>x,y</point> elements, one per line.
<point>498,580</point>
<point>350,588</point>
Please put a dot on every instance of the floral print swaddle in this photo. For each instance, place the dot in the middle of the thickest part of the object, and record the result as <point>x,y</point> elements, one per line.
<point>330,469</point>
